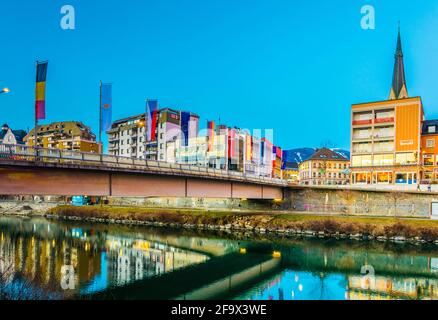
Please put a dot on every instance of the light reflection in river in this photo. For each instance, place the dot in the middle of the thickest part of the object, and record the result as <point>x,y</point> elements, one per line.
<point>110,256</point>
<point>99,259</point>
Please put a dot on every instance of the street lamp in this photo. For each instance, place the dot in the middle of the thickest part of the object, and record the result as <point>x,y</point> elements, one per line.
<point>4,90</point>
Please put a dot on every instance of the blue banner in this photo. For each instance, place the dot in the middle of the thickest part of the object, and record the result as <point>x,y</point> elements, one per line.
<point>185,119</point>
<point>106,105</point>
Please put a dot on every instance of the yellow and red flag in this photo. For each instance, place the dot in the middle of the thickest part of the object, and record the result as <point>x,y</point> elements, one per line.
<point>40,90</point>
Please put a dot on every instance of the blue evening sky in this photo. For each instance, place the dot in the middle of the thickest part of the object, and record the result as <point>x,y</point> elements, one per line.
<point>293,66</point>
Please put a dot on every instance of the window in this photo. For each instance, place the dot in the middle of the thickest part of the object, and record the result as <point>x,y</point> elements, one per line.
<point>405,158</point>
<point>362,147</point>
<point>431,129</point>
<point>428,160</point>
<point>384,146</point>
<point>361,177</point>
<point>383,177</point>
<point>383,160</point>
<point>361,161</point>
<point>430,143</point>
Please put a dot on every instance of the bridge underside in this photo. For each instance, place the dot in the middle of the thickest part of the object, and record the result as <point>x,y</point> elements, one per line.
<point>69,182</point>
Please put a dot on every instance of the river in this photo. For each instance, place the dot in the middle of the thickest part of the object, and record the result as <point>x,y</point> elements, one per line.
<point>48,259</point>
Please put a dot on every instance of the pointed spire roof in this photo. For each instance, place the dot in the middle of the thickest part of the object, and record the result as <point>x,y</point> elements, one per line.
<point>398,88</point>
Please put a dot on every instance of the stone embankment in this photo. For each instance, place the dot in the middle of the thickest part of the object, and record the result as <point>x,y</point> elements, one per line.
<point>415,231</point>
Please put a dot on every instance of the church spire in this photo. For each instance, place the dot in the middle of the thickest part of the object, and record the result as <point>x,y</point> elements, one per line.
<point>398,89</point>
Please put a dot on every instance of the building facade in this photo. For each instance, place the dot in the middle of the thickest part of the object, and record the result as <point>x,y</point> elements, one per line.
<point>291,172</point>
<point>391,143</point>
<point>324,167</point>
<point>128,137</point>
<point>66,135</point>
<point>429,154</point>
<point>9,136</point>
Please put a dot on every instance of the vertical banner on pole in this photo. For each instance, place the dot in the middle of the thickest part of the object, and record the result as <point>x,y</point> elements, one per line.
<point>152,118</point>
<point>40,97</point>
<point>40,90</point>
<point>106,105</point>
<point>185,119</point>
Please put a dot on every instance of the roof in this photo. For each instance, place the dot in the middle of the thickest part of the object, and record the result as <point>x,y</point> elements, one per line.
<point>289,165</point>
<point>427,124</point>
<point>327,154</point>
<point>128,118</point>
<point>19,135</point>
<point>398,89</point>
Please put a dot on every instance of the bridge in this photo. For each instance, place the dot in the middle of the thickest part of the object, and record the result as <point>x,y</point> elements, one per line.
<point>29,171</point>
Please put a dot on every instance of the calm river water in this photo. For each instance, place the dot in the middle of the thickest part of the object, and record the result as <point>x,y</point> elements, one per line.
<point>41,258</point>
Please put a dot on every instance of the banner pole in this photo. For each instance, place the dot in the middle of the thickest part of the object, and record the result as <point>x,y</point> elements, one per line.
<point>35,143</point>
<point>100,118</point>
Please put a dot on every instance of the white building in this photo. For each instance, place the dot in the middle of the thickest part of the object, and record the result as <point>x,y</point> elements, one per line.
<point>8,136</point>
<point>128,137</point>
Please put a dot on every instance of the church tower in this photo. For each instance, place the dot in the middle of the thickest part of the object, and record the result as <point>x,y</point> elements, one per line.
<point>398,89</point>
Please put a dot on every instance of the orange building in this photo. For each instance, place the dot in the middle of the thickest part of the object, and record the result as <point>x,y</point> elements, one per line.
<point>429,147</point>
<point>386,136</point>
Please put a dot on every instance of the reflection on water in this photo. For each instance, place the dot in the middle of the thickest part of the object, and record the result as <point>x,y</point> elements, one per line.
<point>39,250</point>
<point>110,256</point>
<point>297,285</point>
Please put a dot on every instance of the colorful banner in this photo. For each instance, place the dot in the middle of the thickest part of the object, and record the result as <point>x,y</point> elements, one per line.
<point>274,155</point>
<point>40,90</point>
<point>231,143</point>
<point>262,151</point>
<point>185,119</point>
<point>210,132</point>
<point>152,118</point>
<point>106,105</point>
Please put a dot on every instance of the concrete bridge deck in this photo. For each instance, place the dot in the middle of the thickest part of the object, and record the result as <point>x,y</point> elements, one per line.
<point>54,172</point>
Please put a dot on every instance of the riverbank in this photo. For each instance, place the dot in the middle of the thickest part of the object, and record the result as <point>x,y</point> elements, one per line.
<point>282,223</point>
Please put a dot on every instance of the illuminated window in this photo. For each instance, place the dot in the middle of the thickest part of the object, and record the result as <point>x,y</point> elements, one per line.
<point>406,158</point>
<point>383,160</point>
<point>361,161</point>
<point>361,177</point>
<point>383,177</point>
<point>428,160</point>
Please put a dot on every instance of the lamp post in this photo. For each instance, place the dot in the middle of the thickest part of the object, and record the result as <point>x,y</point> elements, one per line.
<point>4,90</point>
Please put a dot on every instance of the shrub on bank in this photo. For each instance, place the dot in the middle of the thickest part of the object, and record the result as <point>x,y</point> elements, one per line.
<point>427,230</point>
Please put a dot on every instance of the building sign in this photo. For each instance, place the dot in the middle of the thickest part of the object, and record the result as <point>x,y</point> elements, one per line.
<point>406,142</point>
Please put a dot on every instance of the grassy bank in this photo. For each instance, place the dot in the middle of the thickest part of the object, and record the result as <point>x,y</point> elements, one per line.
<point>369,227</point>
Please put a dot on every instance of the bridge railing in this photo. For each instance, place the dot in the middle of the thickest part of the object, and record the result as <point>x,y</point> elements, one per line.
<point>44,155</point>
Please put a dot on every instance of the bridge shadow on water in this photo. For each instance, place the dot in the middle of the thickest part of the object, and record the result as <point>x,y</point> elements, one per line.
<point>127,262</point>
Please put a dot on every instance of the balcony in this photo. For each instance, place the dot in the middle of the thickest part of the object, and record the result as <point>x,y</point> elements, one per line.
<point>384,120</point>
<point>362,122</point>
<point>362,136</point>
<point>383,149</point>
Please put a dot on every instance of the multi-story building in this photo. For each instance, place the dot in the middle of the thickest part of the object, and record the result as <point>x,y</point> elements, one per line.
<point>66,135</point>
<point>291,172</point>
<point>128,137</point>
<point>386,136</point>
<point>9,136</point>
<point>174,125</point>
<point>194,153</point>
<point>324,167</point>
<point>429,147</point>
<point>277,162</point>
